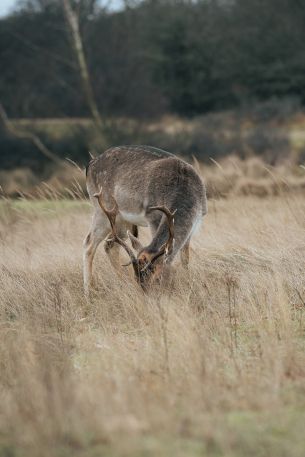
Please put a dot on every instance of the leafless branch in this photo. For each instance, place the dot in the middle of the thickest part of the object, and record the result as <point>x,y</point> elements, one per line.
<point>9,126</point>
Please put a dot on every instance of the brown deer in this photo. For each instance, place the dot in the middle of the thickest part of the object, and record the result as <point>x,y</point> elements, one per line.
<point>131,186</point>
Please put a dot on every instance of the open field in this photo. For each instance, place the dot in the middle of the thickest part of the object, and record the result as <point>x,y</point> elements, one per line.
<point>213,365</point>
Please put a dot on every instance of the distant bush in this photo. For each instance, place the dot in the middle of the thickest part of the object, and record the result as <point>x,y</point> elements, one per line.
<point>73,142</point>
<point>269,144</point>
<point>214,136</point>
<point>275,110</point>
<point>18,153</point>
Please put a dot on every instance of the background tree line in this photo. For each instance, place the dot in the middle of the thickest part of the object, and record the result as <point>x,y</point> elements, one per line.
<point>147,59</point>
<point>152,57</point>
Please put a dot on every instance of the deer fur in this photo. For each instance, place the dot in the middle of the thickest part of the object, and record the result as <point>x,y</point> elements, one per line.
<point>137,178</point>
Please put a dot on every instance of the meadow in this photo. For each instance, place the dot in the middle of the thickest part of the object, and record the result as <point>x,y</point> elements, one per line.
<point>210,364</point>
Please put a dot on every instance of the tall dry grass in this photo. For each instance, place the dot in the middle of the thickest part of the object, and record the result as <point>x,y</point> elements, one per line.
<point>212,364</point>
<point>230,176</point>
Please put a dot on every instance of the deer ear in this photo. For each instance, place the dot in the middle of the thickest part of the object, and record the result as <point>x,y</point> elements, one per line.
<point>135,242</point>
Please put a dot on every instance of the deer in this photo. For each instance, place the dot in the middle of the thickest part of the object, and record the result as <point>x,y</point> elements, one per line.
<point>142,186</point>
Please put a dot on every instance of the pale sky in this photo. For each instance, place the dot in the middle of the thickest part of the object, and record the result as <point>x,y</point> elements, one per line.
<point>6,6</point>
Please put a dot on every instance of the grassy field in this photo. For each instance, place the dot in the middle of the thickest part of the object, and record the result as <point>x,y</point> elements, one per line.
<point>212,365</point>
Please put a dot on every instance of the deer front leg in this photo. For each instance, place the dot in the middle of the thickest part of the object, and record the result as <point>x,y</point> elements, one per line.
<point>91,243</point>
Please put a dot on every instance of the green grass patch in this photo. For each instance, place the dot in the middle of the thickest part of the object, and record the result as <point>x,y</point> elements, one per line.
<point>11,210</point>
<point>234,434</point>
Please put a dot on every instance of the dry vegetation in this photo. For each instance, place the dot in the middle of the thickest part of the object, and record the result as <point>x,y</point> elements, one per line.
<point>211,365</point>
<point>270,136</point>
<point>227,177</point>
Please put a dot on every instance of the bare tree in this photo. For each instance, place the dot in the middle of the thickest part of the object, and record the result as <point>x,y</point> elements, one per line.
<point>73,23</point>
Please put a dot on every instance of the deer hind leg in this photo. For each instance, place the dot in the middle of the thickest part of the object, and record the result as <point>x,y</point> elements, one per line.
<point>97,233</point>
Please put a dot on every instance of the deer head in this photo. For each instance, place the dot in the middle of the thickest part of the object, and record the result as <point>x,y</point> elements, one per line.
<point>146,266</point>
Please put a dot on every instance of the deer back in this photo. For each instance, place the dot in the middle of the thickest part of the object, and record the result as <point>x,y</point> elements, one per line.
<point>140,176</point>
